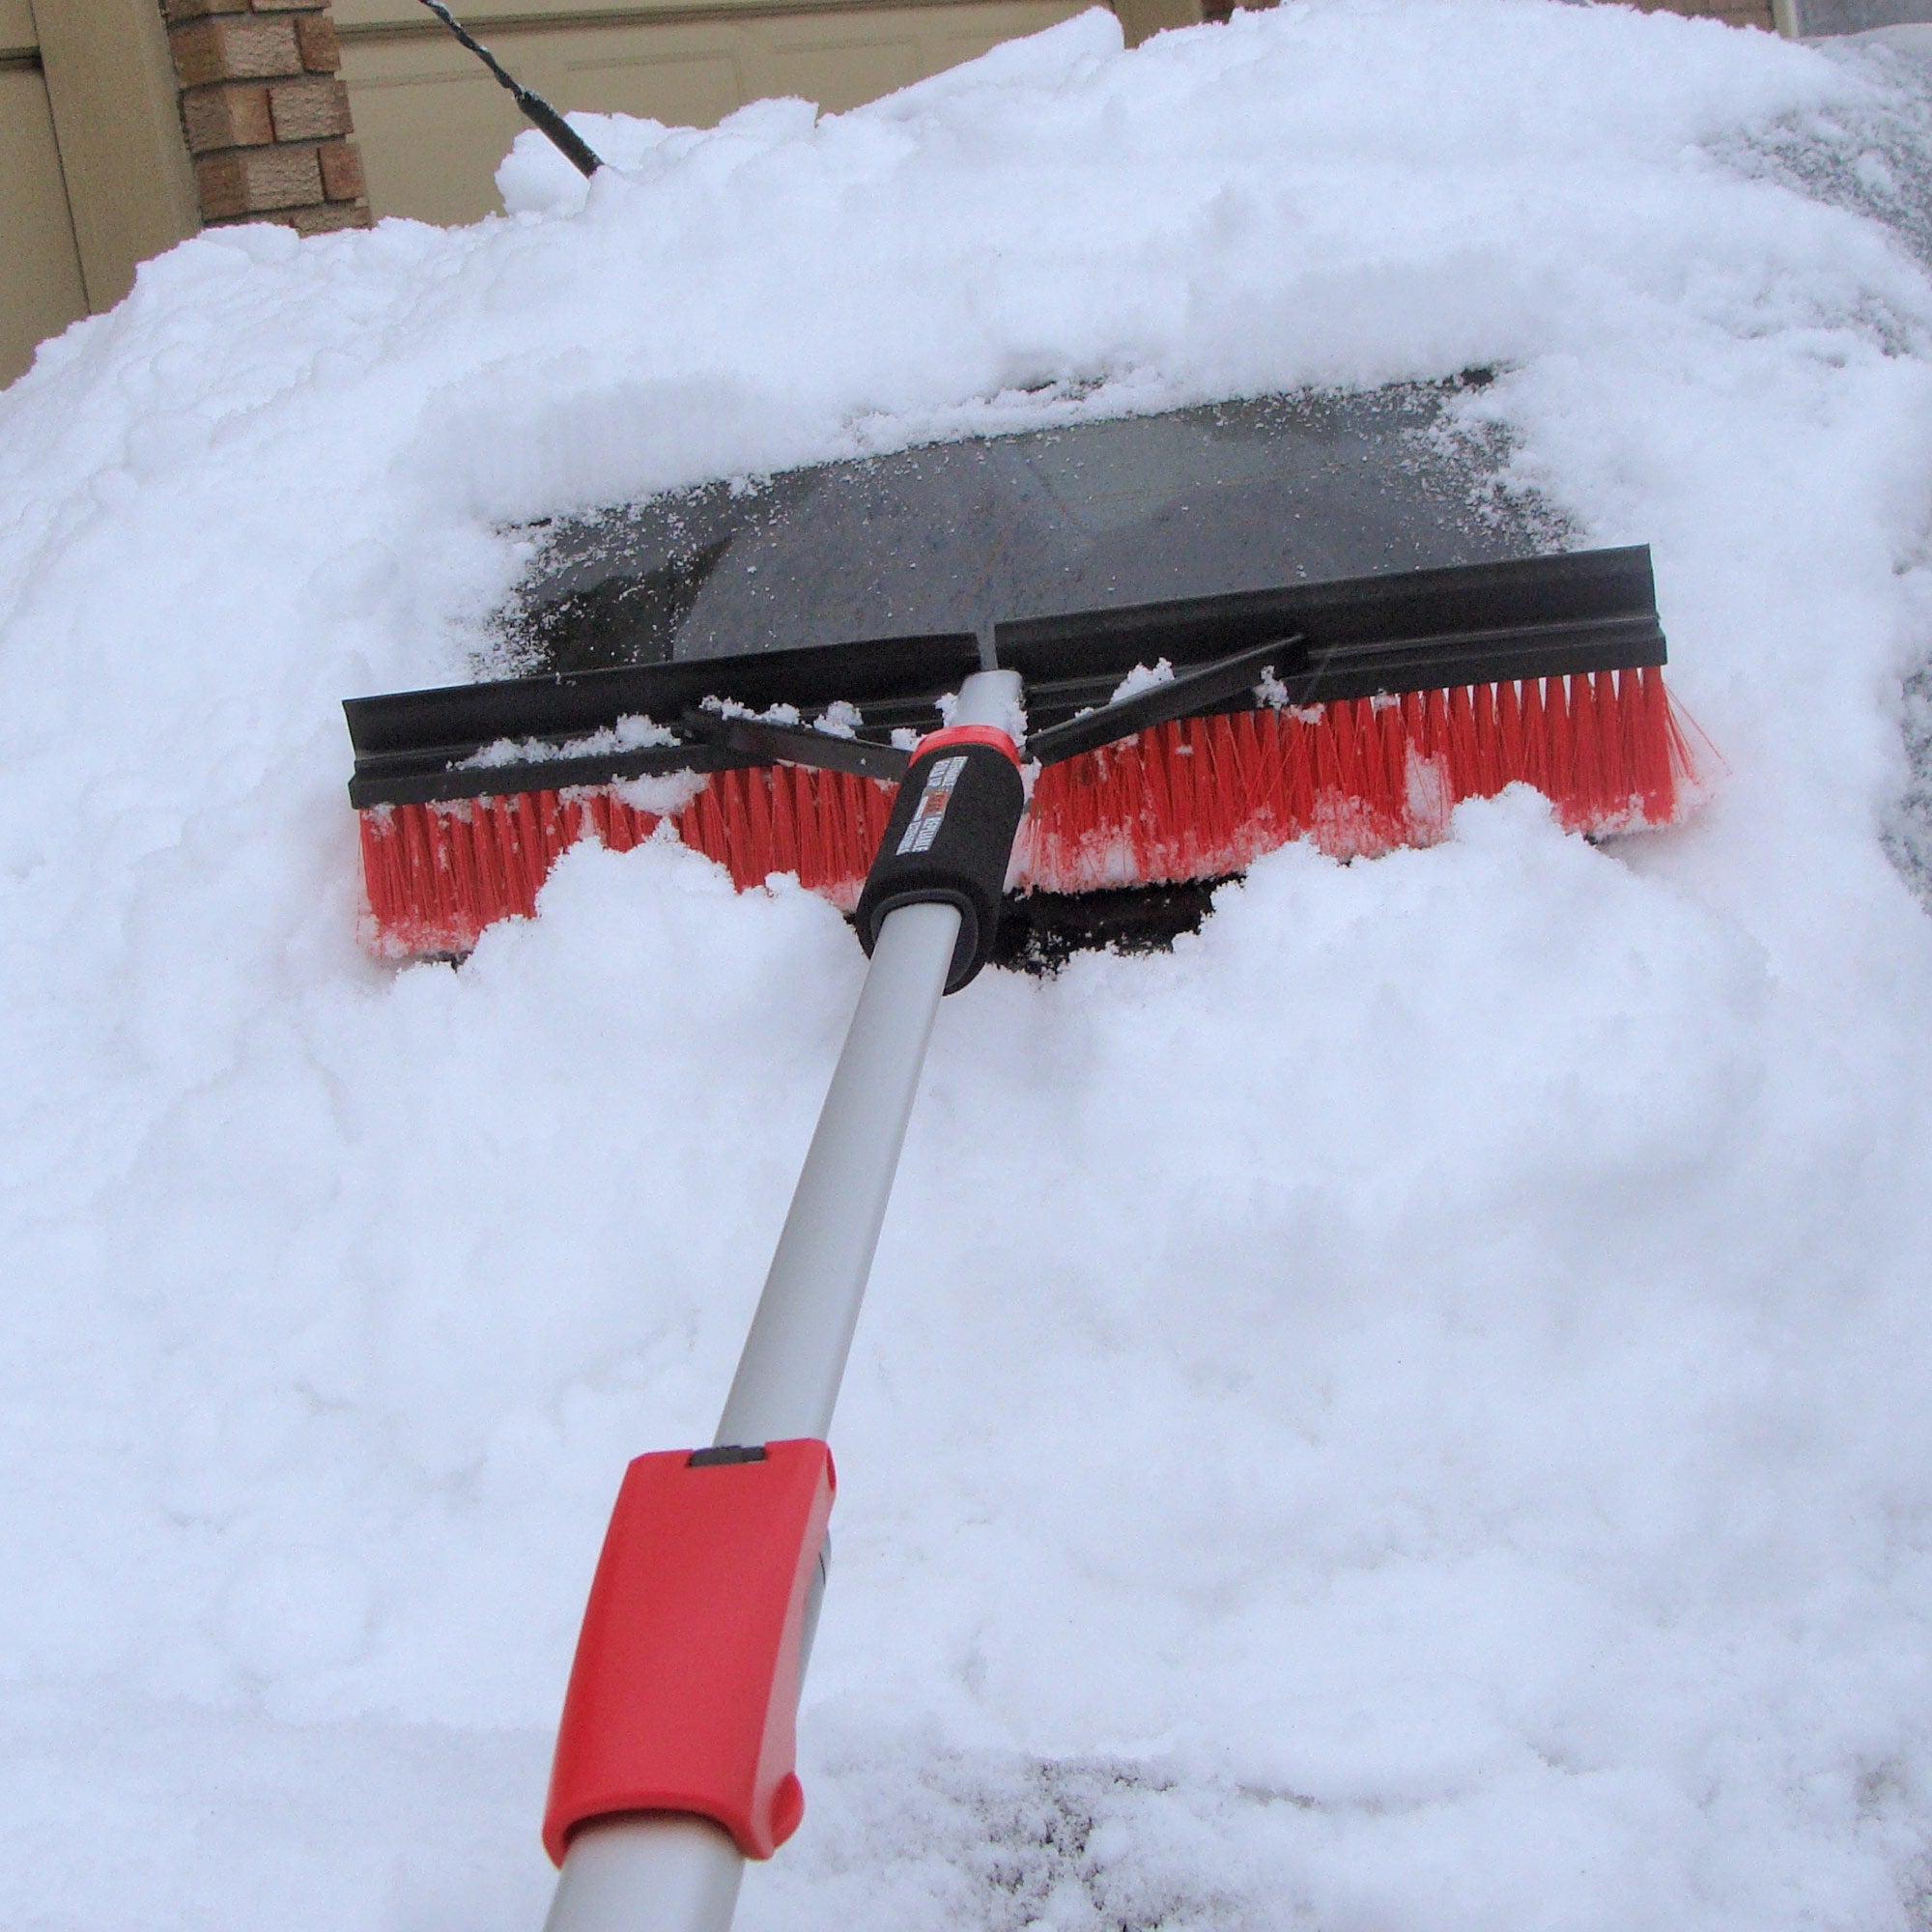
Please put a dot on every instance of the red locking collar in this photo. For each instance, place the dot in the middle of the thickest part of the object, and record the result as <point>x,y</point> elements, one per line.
<point>969,734</point>
<point>684,1694</point>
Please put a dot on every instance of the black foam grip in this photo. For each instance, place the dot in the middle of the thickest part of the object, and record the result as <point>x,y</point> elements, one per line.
<point>948,839</point>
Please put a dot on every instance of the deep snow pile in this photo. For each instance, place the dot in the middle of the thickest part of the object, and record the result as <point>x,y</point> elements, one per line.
<point>1411,1412</point>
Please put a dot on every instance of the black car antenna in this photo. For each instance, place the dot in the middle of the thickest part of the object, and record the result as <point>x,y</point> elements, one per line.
<point>538,112</point>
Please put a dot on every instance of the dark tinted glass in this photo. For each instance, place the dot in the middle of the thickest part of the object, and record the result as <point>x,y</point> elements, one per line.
<point>955,536</point>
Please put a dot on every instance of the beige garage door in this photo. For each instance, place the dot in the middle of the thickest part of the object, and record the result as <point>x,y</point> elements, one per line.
<point>41,289</point>
<point>433,124</point>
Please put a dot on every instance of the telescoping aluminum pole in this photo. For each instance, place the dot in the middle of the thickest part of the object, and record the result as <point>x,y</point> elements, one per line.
<point>667,1870</point>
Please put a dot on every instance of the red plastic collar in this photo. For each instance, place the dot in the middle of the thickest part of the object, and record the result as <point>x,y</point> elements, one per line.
<point>684,1694</point>
<point>969,734</point>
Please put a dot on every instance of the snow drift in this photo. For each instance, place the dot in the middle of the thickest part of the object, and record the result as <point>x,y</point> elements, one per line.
<point>1410,1412</point>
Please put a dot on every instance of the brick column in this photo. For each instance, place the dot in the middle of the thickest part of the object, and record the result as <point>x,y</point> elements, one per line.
<point>266,114</point>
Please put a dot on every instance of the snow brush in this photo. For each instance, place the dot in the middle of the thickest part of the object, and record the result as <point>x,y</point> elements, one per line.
<point>1386,701</point>
<point>1164,741</point>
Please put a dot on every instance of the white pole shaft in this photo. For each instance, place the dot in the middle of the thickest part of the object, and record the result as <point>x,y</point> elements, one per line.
<point>794,1357</point>
<point>788,1376</point>
<point>664,1871</point>
<point>660,1872</point>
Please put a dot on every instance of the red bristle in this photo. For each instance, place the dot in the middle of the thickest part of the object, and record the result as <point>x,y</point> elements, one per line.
<point>419,869</point>
<point>1681,760</point>
<point>767,848</point>
<point>857,808</point>
<point>1148,761</point>
<point>1367,789</point>
<point>1260,765</point>
<point>485,862</point>
<point>1378,804</point>
<point>1337,780</point>
<point>1620,786</point>
<point>459,830</point>
<point>830,803</point>
<point>1044,805</point>
<point>378,875</point>
<point>555,826</point>
<point>1280,771</point>
<point>767,854</point>
<point>1346,814</point>
<point>728,818</point>
<point>1162,824</point>
<point>1464,778</point>
<point>1586,753</point>
<point>1612,791</point>
<point>826,814</point>
<point>860,808</point>
<point>1220,785</point>
<point>1534,770</point>
<point>1593,759</point>
<point>1509,734</point>
<point>1062,816</point>
<point>1630,744</point>
<point>1489,741</point>
<point>810,831</point>
<point>1297,748</point>
<point>526,866</point>
<point>402,868</point>
<point>1353,723</point>
<point>1560,722</point>
<point>1425,786</point>
<point>1658,739</point>
<point>1200,799</point>
<point>1336,775</point>
<point>746,848</point>
<point>549,840</point>
<point>500,829</point>
<point>621,826</point>
<point>1298,776</point>
<point>1239,770</point>
<point>1585,803</point>
<point>532,849</point>
<point>396,865</point>
<point>1152,762</point>
<point>1246,789</point>
<point>1113,805</point>
<point>607,821</point>
<point>701,825</point>
<point>1325,768</point>
<point>442,882</point>
<point>1558,771</point>
<point>529,862</point>
<point>1179,829</point>
<point>1389,750</point>
<point>1433,750</point>
<point>1220,755</point>
<point>1117,805</point>
<point>1191,782</point>
<point>846,804</point>
<point>784,821</point>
